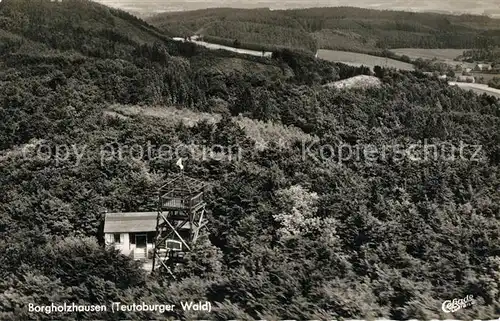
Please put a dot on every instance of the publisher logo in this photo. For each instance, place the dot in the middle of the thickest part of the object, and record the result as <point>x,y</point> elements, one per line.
<point>450,306</point>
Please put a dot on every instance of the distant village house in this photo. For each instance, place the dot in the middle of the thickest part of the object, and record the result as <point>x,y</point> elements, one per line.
<point>483,67</point>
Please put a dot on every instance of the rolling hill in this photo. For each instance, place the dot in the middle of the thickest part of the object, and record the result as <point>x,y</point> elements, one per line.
<point>340,28</point>
<point>150,7</point>
<point>307,223</point>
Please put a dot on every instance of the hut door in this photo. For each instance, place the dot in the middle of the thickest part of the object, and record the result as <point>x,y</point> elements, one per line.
<point>140,240</point>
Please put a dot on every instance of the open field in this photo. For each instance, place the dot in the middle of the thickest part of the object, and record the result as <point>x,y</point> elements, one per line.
<point>477,88</point>
<point>357,59</point>
<point>443,55</point>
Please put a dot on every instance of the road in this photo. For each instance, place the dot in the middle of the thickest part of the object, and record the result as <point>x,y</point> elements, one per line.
<point>194,39</point>
<point>478,88</point>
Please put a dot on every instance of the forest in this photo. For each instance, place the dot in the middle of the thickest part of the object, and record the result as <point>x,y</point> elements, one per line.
<point>495,82</point>
<point>340,28</point>
<point>487,54</point>
<point>289,237</point>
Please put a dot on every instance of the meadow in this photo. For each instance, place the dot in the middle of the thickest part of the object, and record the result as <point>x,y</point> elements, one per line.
<point>441,54</point>
<point>444,55</point>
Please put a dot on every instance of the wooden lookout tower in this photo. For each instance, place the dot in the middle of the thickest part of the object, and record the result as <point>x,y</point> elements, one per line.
<point>181,209</point>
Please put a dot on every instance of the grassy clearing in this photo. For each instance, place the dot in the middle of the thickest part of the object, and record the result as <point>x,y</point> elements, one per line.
<point>357,59</point>
<point>263,133</point>
<point>174,115</point>
<point>362,81</point>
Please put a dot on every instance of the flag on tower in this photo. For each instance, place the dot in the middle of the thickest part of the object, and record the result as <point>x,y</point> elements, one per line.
<point>179,163</point>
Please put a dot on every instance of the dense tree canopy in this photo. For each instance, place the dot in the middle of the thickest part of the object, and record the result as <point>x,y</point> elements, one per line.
<point>296,230</point>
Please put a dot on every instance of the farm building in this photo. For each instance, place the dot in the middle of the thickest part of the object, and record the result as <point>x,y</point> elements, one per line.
<point>482,67</point>
<point>134,233</point>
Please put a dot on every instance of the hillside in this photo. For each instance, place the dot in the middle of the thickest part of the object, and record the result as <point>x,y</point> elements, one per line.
<point>259,27</point>
<point>56,25</point>
<point>340,28</point>
<point>297,228</point>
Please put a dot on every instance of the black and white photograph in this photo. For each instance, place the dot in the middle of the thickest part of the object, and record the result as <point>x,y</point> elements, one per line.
<point>250,160</point>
